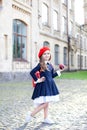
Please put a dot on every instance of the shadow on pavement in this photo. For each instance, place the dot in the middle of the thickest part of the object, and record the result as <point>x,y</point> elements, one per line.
<point>42,125</point>
<point>22,127</point>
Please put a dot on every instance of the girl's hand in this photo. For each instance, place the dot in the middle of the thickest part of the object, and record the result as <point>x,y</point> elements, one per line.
<point>42,79</point>
<point>61,66</point>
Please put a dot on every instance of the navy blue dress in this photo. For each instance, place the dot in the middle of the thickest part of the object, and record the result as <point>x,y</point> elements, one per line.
<point>46,88</point>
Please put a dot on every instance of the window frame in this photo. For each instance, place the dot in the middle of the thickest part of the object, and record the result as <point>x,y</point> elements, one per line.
<point>46,18</point>
<point>55,28</point>
<point>18,53</point>
<point>46,43</point>
<point>56,57</point>
<point>64,25</point>
<point>65,55</point>
<point>72,57</point>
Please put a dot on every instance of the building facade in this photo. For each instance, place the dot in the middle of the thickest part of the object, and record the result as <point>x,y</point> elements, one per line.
<point>27,25</point>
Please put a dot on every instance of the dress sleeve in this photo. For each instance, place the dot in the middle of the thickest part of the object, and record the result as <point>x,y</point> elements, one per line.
<point>33,71</point>
<point>55,73</point>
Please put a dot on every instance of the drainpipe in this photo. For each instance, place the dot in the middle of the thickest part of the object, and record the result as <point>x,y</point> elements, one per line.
<point>68,37</point>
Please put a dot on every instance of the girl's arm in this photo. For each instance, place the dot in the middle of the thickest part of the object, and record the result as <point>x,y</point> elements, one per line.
<point>33,71</point>
<point>36,78</point>
<point>56,73</point>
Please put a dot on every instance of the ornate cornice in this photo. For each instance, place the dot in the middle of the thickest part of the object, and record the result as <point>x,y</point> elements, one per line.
<point>24,8</point>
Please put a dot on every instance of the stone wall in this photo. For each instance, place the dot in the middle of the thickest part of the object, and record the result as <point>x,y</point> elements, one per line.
<point>14,76</point>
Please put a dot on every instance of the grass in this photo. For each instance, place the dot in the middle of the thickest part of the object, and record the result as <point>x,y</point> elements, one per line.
<point>80,75</point>
<point>74,75</point>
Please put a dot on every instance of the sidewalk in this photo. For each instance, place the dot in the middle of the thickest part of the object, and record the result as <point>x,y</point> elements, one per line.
<point>70,113</point>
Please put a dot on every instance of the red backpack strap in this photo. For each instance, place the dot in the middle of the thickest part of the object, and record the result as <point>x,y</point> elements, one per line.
<point>38,76</point>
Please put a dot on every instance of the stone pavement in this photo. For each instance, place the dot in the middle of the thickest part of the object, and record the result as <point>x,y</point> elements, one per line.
<point>70,113</point>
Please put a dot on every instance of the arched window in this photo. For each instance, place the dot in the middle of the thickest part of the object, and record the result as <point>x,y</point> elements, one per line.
<point>65,55</point>
<point>64,2</point>
<point>56,55</point>
<point>55,20</point>
<point>45,14</point>
<point>77,40</point>
<point>85,61</point>
<point>19,40</point>
<point>64,25</point>
<point>81,62</point>
<point>70,27</point>
<point>72,57</point>
<point>46,43</point>
<point>78,59</point>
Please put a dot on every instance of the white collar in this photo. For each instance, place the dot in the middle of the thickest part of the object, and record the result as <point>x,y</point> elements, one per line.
<point>47,62</point>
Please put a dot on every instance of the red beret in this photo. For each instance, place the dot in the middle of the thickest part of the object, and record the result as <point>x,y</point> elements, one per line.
<point>42,50</point>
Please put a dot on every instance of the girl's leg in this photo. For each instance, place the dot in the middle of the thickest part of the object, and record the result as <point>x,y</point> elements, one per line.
<point>39,108</point>
<point>46,119</point>
<point>46,110</point>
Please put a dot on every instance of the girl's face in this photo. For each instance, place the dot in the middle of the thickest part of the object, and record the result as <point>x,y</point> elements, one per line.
<point>46,55</point>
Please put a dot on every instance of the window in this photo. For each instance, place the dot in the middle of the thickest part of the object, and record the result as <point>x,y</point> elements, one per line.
<point>64,2</point>
<point>55,20</point>
<point>72,57</point>
<point>56,54</point>
<point>64,25</point>
<point>70,4</point>
<point>77,40</point>
<point>85,61</point>
<point>6,46</point>
<point>78,57</point>
<point>81,42</point>
<point>46,43</point>
<point>70,27</point>
<point>30,2</point>
<point>65,55</point>
<point>19,40</point>
<point>81,62</point>
<point>44,14</point>
<point>85,43</point>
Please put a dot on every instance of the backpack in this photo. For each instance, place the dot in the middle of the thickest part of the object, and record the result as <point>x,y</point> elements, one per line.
<point>38,76</point>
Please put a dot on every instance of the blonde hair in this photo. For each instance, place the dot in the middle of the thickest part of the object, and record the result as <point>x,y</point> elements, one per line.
<point>42,64</point>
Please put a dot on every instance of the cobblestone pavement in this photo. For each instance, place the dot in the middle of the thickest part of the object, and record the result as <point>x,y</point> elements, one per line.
<point>70,113</point>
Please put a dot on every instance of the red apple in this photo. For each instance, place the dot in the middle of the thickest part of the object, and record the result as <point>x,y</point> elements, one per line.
<point>61,66</point>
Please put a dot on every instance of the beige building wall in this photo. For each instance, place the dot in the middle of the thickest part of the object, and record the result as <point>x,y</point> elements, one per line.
<point>6,36</point>
<point>30,12</point>
<point>13,9</point>
<point>24,13</point>
<point>85,11</point>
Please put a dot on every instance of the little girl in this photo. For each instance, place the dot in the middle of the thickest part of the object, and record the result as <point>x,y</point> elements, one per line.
<point>45,90</point>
